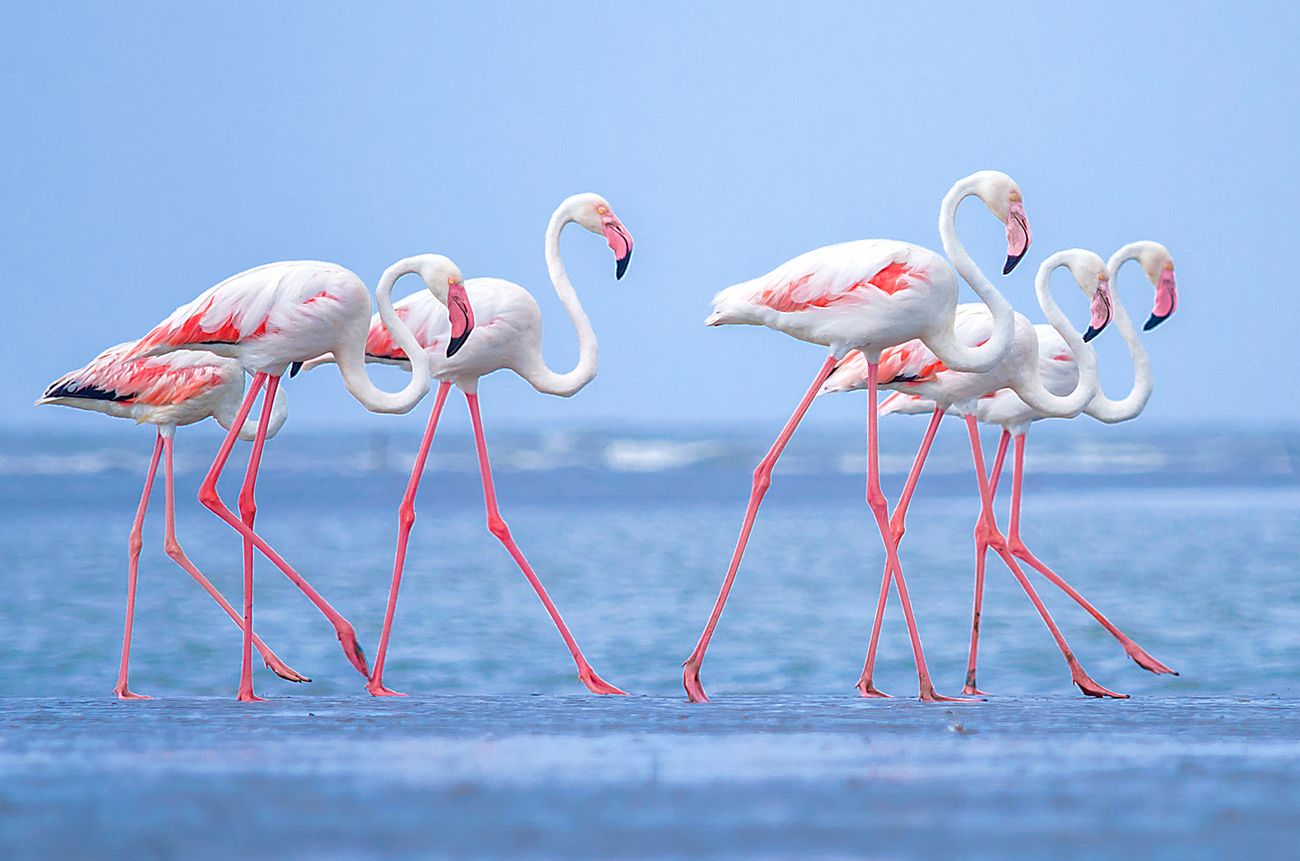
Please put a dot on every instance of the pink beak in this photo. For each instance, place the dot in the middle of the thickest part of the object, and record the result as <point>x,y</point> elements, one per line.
<point>1100,311</point>
<point>1017,236</point>
<point>461,316</point>
<point>1166,300</point>
<point>620,242</point>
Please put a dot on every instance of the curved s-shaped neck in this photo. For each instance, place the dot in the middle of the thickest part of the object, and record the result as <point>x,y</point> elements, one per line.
<point>956,355</point>
<point>538,374</point>
<point>351,357</point>
<point>1031,389</point>
<point>1131,405</point>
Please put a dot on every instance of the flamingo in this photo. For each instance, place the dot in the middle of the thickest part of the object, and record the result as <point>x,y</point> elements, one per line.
<point>1005,410</point>
<point>914,368</point>
<point>273,318</point>
<point>168,392</point>
<point>509,337</point>
<point>870,295</point>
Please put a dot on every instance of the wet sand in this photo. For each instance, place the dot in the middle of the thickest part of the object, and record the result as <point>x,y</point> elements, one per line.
<point>648,777</point>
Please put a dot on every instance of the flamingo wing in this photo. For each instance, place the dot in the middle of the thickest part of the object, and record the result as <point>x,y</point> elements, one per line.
<point>848,273</point>
<point>155,380</point>
<point>241,307</point>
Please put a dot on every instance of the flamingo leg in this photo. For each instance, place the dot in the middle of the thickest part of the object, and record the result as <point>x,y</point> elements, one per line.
<point>1021,552</point>
<point>762,480</point>
<point>212,501</point>
<point>177,554</point>
<point>134,544</point>
<point>405,520</point>
<point>880,508</point>
<point>897,526</point>
<point>987,529</point>
<point>981,561</point>
<point>497,526</point>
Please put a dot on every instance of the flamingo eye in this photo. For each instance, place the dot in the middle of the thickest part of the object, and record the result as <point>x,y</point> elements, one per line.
<point>1015,195</point>
<point>601,210</point>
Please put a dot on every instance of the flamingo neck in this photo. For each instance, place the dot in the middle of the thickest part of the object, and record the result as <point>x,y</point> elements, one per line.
<point>1131,405</point>
<point>1031,389</point>
<point>248,430</point>
<point>537,373</point>
<point>943,340</point>
<point>351,356</point>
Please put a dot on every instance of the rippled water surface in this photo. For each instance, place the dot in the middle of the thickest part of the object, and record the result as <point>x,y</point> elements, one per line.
<point>499,753</point>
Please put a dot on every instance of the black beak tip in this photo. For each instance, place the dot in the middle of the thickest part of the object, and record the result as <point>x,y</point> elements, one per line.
<point>1154,321</point>
<point>1012,260</point>
<point>1092,332</point>
<point>620,266</point>
<point>455,344</point>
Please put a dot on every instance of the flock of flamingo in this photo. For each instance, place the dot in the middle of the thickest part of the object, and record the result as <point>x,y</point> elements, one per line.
<point>885,310</point>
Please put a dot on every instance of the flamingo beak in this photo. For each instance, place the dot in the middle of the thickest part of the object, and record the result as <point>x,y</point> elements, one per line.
<point>1166,299</point>
<point>620,242</point>
<point>1018,236</point>
<point>461,316</point>
<point>1101,311</point>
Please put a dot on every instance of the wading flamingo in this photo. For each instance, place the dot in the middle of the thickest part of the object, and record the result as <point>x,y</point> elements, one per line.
<point>1004,409</point>
<point>167,392</point>
<point>913,368</point>
<point>869,295</point>
<point>509,327</point>
<point>272,319</point>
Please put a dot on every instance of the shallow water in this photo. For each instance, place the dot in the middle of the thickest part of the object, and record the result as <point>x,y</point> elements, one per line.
<point>499,753</point>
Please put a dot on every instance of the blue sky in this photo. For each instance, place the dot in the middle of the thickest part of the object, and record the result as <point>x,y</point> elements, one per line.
<point>149,152</point>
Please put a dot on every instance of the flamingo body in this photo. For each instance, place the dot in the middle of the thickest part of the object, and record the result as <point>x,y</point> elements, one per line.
<point>867,294</point>
<point>914,368</point>
<point>269,316</point>
<point>176,389</point>
<point>507,332</point>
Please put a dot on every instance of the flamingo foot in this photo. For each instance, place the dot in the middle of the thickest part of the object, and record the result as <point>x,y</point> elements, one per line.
<point>971,691</point>
<point>281,669</point>
<point>247,696</point>
<point>352,648</point>
<point>596,684</point>
<point>376,689</point>
<point>691,681</point>
<point>869,690</point>
<point>929,695</point>
<point>1146,662</point>
<point>1092,689</point>
<point>122,693</point>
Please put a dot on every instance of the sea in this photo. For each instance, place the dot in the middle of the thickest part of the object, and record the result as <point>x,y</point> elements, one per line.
<point>1188,538</point>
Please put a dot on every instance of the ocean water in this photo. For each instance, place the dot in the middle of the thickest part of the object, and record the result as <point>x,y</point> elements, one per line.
<point>1189,541</point>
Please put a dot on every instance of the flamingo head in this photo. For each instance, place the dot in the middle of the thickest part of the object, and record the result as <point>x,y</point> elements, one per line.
<point>1159,267</point>
<point>1093,278</point>
<point>1003,198</point>
<point>448,285</point>
<point>594,213</point>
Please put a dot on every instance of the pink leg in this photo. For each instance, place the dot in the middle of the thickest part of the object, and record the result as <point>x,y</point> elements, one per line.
<point>174,550</point>
<point>247,514</point>
<point>981,560</point>
<point>1020,551</point>
<point>987,529</point>
<point>497,526</point>
<point>405,520</point>
<point>897,526</point>
<point>134,545</point>
<point>880,508</point>
<point>762,480</point>
<point>212,500</point>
